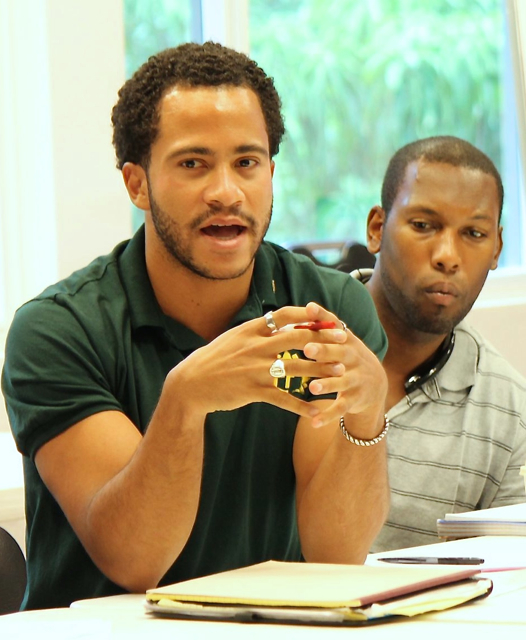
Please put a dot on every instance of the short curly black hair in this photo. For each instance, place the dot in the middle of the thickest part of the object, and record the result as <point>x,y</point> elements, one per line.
<point>446,149</point>
<point>135,117</point>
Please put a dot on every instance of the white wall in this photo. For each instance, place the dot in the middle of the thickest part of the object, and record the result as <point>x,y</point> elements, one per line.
<point>500,314</point>
<point>62,201</point>
<point>504,327</point>
<point>86,60</point>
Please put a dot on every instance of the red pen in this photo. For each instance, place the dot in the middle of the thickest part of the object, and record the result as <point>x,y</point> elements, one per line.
<point>317,325</point>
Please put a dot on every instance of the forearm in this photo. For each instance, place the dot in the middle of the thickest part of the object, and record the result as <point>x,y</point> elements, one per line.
<point>132,500</point>
<point>346,501</point>
<point>139,522</point>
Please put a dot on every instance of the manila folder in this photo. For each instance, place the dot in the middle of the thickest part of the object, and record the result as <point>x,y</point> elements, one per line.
<point>317,593</point>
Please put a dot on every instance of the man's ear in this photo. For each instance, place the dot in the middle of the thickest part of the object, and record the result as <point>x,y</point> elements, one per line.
<point>498,250</point>
<point>136,182</point>
<point>375,228</point>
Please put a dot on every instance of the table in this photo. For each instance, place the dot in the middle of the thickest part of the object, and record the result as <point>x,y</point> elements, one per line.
<point>119,617</point>
<point>507,602</point>
<point>105,623</point>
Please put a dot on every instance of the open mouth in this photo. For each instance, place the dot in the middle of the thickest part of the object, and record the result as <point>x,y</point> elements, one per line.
<point>223,231</point>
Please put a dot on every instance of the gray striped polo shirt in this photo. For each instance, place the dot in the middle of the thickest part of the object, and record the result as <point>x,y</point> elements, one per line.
<point>456,444</point>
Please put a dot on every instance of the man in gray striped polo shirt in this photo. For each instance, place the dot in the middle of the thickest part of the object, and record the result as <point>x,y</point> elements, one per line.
<point>456,406</point>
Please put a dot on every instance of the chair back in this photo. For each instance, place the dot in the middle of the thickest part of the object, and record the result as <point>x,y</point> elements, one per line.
<point>13,576</point>
<point>346,256</point>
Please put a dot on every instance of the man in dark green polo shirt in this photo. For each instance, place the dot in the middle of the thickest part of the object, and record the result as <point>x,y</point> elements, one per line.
<point>169,427</point>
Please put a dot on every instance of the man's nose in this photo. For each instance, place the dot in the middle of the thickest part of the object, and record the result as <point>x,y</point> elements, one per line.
<point>223,188</point>
<point>446,255</point>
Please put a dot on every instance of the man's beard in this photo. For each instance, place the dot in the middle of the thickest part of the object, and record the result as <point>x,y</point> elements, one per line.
<point>409,314</point>
<point>169,232</point>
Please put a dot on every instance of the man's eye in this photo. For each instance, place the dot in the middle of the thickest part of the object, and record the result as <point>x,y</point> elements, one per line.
<point>420,225</point>
<point>475,233</point>
<point>246,163</point>
<point>191,164</point>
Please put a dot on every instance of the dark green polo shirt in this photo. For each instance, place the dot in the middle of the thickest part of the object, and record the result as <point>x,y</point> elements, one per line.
<point>99,341</point>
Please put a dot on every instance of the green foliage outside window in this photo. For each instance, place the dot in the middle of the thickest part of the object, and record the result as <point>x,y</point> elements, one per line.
<point>152,26</point>
<point>360,79</point>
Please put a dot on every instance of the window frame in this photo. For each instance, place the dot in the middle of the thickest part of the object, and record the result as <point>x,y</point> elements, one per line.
<point>507,285</point>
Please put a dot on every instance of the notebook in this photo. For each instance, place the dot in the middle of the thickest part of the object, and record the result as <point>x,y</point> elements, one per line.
<point>509,520</point>
<point>309,593</point>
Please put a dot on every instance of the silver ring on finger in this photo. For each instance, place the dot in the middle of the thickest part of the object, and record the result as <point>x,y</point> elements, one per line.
<point>269,320</point>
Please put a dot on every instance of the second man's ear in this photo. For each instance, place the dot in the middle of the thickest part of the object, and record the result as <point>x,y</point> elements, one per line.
<point>375,227</point>
<point>498,250</point>
<point>136,182</point>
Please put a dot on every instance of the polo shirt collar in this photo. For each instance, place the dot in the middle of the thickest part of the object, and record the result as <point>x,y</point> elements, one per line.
<point>460,370</point>
<point>458,374</point>
<point>268,291</point>
<point>143,306</point>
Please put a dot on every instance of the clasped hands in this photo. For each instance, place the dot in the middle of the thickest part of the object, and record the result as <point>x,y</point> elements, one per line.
<point>234,369</point>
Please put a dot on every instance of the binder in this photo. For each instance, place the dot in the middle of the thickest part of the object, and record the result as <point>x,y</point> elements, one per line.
<point>318,594</point>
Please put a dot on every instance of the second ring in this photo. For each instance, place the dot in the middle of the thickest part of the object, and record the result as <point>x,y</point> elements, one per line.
<point>277,370</point>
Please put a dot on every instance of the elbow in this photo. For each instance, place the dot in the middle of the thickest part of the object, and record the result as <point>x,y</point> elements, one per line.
<point>135,575</point>
<point>137,584</point>
<point>133,578</point>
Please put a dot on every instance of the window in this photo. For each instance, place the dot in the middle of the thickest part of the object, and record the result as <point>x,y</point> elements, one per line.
<point>360,79</point>
<point>153,25</point>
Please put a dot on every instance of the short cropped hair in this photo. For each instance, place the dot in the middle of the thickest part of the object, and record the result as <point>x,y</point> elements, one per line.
<point>446,149</point>
<point>135,117</point>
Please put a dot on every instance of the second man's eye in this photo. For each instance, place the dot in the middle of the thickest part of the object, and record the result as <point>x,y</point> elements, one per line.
<point>246,163</point>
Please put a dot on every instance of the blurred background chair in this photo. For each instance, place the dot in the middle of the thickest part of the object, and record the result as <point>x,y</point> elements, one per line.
<point>13,576</point>
<point>344,256</point>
